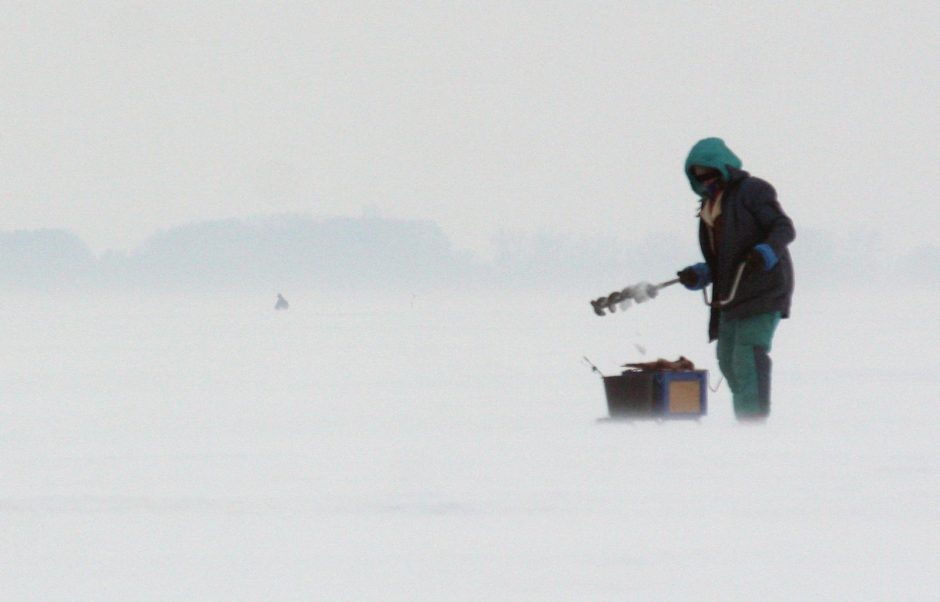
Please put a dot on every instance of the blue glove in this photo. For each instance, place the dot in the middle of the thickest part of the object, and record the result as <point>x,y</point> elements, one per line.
<point>762,257</point>
<point>695,277</point>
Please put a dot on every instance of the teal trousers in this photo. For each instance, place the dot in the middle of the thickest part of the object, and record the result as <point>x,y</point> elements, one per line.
<point>744,359</point>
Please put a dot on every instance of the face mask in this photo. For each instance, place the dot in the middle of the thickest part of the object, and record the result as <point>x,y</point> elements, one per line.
<point>711,181</point>
<point>712,188</point>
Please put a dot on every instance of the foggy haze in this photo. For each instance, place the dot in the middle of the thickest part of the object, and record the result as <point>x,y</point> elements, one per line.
<point>438,190</point>
<point>569,119</point>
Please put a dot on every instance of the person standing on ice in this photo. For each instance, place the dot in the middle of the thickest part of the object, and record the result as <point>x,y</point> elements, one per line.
<point>741,223</point>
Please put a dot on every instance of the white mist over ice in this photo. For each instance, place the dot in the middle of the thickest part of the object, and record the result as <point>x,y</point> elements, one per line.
<point>448,448</point>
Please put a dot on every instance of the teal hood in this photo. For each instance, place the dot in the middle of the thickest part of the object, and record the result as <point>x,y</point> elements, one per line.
<point>710,152</point>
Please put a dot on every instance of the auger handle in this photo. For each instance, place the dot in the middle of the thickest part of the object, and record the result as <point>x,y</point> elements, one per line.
<point>734,290</point>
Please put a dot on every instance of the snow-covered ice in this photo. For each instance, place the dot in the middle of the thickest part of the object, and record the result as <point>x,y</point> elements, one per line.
<point>434,448</point>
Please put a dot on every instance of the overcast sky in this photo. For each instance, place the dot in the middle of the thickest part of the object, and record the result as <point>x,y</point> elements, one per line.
<point>572,118</point>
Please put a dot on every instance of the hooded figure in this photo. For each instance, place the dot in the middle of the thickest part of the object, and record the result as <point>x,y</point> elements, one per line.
<point>741,223</point>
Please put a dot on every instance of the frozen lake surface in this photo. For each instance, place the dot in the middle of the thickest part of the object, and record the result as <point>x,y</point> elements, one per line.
<point>437,448</point>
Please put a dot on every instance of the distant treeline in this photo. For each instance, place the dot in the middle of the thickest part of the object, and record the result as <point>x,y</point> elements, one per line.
<point>297,252</point>
<point>376,254</point>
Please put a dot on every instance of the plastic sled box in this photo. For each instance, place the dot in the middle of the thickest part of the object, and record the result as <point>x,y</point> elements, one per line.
<point>657,394</point>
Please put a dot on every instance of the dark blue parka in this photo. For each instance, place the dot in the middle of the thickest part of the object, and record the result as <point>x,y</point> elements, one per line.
<point>750,215</point>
